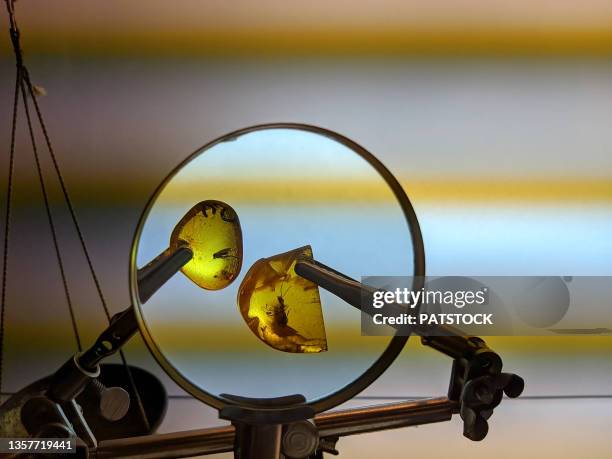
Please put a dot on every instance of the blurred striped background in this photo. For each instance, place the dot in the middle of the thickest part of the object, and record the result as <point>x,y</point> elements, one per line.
<point>495,116</point>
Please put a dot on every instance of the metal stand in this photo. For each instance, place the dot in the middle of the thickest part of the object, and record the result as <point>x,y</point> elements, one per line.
<point>55,409</point>
<point>267,431</point>
<point>287,428</point>
<point>329,427</point>
<point>279,428</point>
<point>261,426</point>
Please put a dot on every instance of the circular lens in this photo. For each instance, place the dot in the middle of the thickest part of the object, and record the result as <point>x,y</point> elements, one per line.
<point>292,191</point>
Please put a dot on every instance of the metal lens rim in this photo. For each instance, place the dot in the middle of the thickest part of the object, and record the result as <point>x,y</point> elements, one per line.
<point>396,343</point>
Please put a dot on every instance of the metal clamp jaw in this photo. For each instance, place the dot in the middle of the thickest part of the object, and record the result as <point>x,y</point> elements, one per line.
<point>55,407</point>
<point>476,387</point>
<point>477,382</point>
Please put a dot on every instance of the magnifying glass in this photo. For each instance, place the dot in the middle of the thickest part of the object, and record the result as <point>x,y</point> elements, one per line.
<point>292,186</point>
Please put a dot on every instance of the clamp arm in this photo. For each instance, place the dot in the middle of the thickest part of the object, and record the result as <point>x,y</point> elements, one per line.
<point>477,383</point>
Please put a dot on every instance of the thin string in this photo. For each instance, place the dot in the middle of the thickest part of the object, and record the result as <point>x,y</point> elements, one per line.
<point>21,74</point>
<point>7,219</point>
<point>26,78</point>
<point>75,222</point>
<point>50,220</point>
<point>143,414</point>
<point>60,177</point>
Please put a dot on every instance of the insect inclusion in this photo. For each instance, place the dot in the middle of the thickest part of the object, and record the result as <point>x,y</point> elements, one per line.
<point>282,308</point>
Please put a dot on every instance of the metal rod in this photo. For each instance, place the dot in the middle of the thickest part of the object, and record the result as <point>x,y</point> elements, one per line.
<point>382,417</point>
<point>355,293</point>
<point>157,272</point>
<point>188,443</point>
<point>123,325</point>
<point>77,371</point>
<point>333,424</point>
<point>258,441</point>
<point>333,281</point>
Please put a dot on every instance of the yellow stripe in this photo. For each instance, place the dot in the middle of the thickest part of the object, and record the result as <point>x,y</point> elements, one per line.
<point>345,191</point>
<point>542,190</point>
<point>186,336</point>
<point>438,190</point>
<point>325,41</point>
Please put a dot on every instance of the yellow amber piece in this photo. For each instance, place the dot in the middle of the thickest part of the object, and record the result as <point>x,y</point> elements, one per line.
<point>211,230</point>
<point>280,307</point>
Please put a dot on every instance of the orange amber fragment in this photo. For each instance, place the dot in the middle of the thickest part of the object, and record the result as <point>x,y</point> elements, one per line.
<point>211,230</point>
<point>280,307</point>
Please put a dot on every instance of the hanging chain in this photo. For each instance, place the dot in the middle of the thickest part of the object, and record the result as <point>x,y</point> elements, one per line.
<point>24,81</point>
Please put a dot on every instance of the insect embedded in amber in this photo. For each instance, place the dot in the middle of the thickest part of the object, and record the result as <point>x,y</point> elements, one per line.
<point>280,307</point>
<point>211,230</point>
